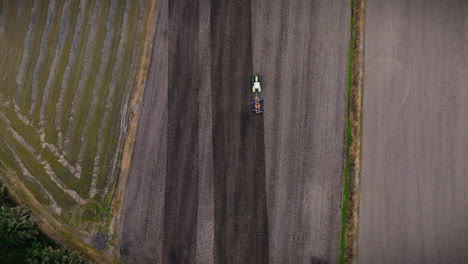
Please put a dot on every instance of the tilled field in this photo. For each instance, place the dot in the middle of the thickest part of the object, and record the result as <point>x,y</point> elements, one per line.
<point>211,182</point>
<point>415,127</point>
<point>66,74</point>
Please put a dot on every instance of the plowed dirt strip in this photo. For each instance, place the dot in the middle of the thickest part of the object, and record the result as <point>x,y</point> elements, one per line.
<point>239,174</point>
<point>168,213</point>
<point>205,216</point>
<point>181,193</point>
<point>301,48</point>
<point>142,224</point>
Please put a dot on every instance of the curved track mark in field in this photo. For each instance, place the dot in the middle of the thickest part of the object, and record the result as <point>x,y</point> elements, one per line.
<point>71,61</point>
<point>26,49</point>
<point>45,166</point>
<point>240,214</point>
<point>42,52</point>
<point>60,158</point>
<point>83,77</point>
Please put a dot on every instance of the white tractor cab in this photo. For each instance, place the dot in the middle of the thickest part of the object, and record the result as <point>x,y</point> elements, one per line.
<point>256,84</point>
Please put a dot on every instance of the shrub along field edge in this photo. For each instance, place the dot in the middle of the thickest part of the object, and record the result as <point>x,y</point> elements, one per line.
<point>351,191</point>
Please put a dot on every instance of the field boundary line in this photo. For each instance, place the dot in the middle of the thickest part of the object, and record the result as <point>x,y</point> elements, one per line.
<point>134,111</point>
<point>351,188</point>
<point>110,96</point>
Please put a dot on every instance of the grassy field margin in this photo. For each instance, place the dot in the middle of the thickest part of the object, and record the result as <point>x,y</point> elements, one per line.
<point>134,110</point>
<point>351,190</point>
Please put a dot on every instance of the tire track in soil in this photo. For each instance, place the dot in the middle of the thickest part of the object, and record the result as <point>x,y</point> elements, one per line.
<point>181,203</point>
<point>241,234</point>
<point>164,206</point>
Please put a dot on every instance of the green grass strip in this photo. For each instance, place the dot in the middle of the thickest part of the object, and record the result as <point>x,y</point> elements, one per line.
<point>348,138</point>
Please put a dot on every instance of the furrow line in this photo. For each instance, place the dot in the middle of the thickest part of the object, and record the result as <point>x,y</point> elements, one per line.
<point>60,157</point>
<point>120,143</point>
<point>42,52</point>
<point>4,118</point>
<point>45,166</point>
<point>26,49</point>
<point>2,17</point>
<point>109,100</point>
<point>63,33</point>
<point>125,110</point>
<point>84,76</point>
<point>19,10</point>
<point>54,206</point>
<point>105,56</point>
<point>66,76</point>
<point>21,117</point>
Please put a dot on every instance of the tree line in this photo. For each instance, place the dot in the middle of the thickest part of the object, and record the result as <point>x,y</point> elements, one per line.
<point>21,240</point>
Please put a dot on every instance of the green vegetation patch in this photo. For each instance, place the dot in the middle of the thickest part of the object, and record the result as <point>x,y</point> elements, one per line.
<point>68,70</point>
<point>352,136</point>
<point>22,242</point>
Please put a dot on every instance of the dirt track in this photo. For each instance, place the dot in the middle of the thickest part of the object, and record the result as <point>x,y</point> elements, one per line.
<point>212,182</point>
<point>415,127</point>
